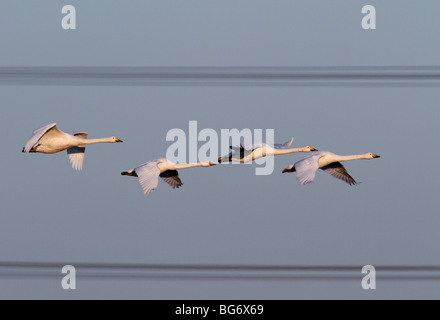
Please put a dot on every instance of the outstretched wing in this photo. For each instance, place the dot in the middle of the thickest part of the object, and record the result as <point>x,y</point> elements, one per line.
<point>338,171</point>
<point>37,135</point>
<point>148,176</point>
<point>228,158</point>
<point>284,145</point>
<point>307,167</point>
<point>243,151</point>
<point>76,154</point>
<point>237,154</point>
<point>172,178</point>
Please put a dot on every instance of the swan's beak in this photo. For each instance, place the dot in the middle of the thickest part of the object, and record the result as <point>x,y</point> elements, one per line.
<point>376,156</point>
<point>211,164</point>
<point>313,149</point>
<point>117,140</point>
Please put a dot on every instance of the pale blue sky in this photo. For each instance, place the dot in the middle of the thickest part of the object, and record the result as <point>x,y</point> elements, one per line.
<point>224,214</point>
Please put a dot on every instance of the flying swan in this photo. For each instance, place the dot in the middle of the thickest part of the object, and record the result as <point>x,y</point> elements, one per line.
<point>150,172</point>
<point>50,139</point>
<point>250,153</point>
<point>329,162</point>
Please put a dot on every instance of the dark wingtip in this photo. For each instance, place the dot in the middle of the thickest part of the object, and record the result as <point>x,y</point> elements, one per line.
<point>354,183</point>
<point>289,170</point>
<point>129,173</point>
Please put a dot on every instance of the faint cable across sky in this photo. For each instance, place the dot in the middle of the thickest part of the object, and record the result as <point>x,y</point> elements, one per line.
<point>127,272</point>
<point>374,76</point>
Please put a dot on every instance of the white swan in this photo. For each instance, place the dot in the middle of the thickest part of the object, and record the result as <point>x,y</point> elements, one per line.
<point>50,139</point>
<point>150,172</point>
<point>250,153</point>
<point>327,161</point>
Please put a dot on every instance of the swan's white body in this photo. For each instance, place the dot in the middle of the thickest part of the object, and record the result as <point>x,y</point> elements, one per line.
<point>50,139</point>
<point>245,154</point>
<point>306,168</point>
<point>150,172</point>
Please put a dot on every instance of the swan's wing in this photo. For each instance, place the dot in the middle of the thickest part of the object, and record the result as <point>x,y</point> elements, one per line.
<point>249,148</point>
<point>172,178</point>
<point>307,167</point>
<point>81,135</point>
<point>338,171</point>
<point>283,146</point>
<point>243,151</point>
<point>45,128</point>
<point>76,157</point>
<point>38,134</point>
<point>261,145</point>
<point>76,154</point>
<point>148,176</point>
<point>228,158</point>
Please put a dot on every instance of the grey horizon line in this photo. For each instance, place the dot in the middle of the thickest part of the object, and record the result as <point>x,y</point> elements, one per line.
<point>218,277</point>
<point>428,76</point>
<point>222,267</point>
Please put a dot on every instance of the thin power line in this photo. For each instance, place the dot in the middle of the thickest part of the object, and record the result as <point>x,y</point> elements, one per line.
<point>400,76</point>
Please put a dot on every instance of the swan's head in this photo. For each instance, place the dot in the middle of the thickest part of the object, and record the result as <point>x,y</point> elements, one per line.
<point>115,140</point>
<point>311,149</point>
<point>207,164</point>
<point>289,169</point>
<point>373,156</point>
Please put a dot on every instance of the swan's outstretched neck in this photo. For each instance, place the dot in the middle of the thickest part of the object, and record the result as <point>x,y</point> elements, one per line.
<point>192,165</point>
<point>103,140</point>
<point>354,157</point>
